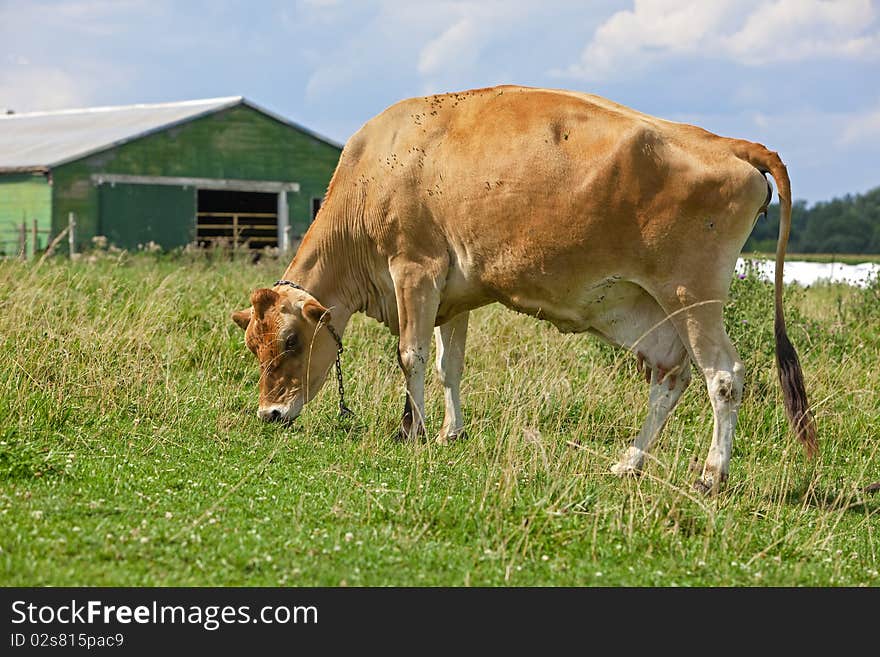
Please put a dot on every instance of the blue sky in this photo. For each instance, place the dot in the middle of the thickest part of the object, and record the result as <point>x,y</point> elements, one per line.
<point>801,76</point>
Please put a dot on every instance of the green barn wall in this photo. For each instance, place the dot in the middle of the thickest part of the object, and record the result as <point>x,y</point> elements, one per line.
<point>237,143</point>
<point>154,213</point>
<point>24,197</point>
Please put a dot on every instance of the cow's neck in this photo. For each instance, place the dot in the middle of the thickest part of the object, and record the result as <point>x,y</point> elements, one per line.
<point>329,265</point>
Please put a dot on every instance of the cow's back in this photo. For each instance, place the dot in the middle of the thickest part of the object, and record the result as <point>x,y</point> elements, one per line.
<point>542,189</point>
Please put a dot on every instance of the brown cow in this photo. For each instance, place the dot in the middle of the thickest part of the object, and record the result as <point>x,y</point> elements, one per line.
<point>558,204</point>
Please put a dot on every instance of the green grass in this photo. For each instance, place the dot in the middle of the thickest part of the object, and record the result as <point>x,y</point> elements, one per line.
<point>130,451</point>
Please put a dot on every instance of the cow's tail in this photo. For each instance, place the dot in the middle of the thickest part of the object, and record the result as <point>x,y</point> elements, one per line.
<point>791,377</point>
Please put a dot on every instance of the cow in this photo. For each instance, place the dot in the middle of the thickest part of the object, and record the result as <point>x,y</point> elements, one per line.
<point>561,205</point>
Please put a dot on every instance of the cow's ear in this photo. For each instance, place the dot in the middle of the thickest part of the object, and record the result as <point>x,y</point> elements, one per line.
<point>242,317</point>
<point>315,311</point>
<point>262,300</point>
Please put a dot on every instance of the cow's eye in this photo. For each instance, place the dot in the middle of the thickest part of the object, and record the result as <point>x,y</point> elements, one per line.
<point>292,342</point>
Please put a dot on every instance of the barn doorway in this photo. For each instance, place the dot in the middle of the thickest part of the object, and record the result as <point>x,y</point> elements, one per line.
<point>236,219</point>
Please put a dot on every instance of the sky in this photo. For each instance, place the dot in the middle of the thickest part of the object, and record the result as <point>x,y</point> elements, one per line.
<point>800,76</point>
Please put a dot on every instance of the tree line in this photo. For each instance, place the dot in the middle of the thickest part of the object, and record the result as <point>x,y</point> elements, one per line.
<point>842,225</point>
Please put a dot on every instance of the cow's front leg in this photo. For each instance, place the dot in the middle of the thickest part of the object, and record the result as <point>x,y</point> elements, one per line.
<point>417,303</point>
<point>451,338</point>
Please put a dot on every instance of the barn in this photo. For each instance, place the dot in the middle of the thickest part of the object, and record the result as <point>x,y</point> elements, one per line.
<point>211,171</point>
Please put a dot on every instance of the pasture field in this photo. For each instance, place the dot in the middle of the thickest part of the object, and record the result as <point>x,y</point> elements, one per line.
<point>131,454</point>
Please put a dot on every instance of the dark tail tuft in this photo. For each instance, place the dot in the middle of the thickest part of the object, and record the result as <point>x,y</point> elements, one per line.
<point>791,378</point>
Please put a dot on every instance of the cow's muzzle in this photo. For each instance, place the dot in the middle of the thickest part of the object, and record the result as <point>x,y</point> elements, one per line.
<point>280,412</point>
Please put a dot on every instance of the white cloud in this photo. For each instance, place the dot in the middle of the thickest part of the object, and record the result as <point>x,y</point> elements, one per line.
<point>466,29</point>
<point>795,30</point>
<point>330,77</point>
<point>457,44</point>
<point>29,88</point>
<point>440,44</point>
<point>862,129</point>
<point>43,45</point>
<point>761,120</point>
<point>631,39</point>
<point>750,31</point>
<point>386,37</point>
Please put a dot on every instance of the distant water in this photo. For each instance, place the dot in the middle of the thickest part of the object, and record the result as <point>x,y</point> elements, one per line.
<point>807,273</point>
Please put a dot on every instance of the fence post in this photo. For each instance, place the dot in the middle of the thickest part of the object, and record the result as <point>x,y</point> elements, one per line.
<point>22,241</point>
<point>36,238</point>
<point>288,234</point>
<point>71,235</point>
<point>50,249</point>
<point>234,235</point>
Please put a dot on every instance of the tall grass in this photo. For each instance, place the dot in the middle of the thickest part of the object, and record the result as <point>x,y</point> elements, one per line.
<point>130,451</point>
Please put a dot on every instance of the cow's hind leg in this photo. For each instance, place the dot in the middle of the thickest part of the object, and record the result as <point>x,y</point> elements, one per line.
<point>633,319</point>
<point>451,338</point>
<point>698,319</point>
<point>666,390</point>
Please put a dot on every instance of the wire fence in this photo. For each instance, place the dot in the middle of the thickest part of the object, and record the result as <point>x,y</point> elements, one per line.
<point>27,240</point>
<point>235,232</point>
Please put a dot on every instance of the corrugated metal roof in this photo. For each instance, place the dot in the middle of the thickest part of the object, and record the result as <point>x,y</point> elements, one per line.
<point>37,141</point>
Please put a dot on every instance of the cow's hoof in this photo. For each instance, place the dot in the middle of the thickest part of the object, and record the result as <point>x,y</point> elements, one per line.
<point>710,482</point>
<point>625,470</point>
<point>446,438</point>
<point>702,486</point>
<point>630,464</point>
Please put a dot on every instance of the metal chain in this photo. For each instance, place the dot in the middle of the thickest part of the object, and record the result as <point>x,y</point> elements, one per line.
<point>290,283</point>
<point>344,411</point>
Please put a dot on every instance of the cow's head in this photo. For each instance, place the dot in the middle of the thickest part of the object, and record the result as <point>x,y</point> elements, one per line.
<point>287,331</point>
